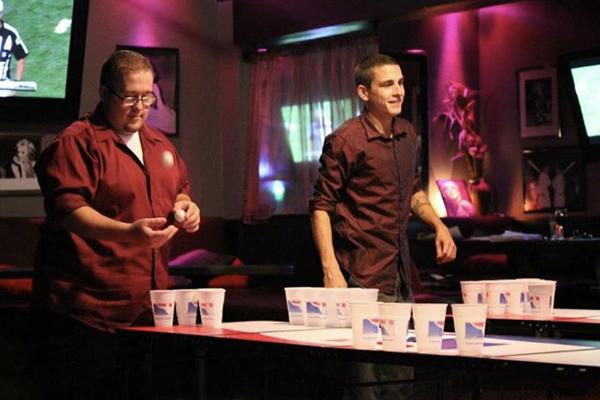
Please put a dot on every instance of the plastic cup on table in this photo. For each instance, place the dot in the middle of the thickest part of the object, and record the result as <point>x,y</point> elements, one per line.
<point>393,321</point>
<point>495,294</point>
<point>528,281</point>
<point>541,297</point>
<point>469,326</point>
<point>186,305</point>
<point>429,320</point>
<point>516,297</point>
<point>316,311</point>
<point>296,304</point>
<point>163,307</point>
<point>473,292</point>
<point>211,302</point>
<point>365,324</point>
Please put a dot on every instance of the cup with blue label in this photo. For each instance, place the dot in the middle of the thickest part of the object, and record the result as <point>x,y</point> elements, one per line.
<point>295,298</point>
<point>393,322</point>
<point>163,307</point>
<point>495,292</point>
<point>473,292</point>
<point>429,320</point>
<point>211,306</point>
<point>469,326</point>
<point>186,306</point>
<point>365,324</point>
<point>541,297</point>
<point>516,297</point>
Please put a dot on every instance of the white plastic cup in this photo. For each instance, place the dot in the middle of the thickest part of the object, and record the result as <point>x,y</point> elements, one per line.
<point>365,324</point>
<point>469,326</point>
<point>528,281</point>
<point>211,306</point>
<point>495,294</point>
<point>186,304</point>
<point>516,296</point>
<point>473,292</point>
<point>393,322</point>
<point>316,307</point>
<point>541,297</point>
<point>429,320</point>
<point>163,306</point>
<point>296,304</point>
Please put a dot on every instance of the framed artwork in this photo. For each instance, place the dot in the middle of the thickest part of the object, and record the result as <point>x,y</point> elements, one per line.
<point>553,178</point>
<point>163,114</point>
<point>456,198</point>
<point>18,155</point>
<point>538,102</point>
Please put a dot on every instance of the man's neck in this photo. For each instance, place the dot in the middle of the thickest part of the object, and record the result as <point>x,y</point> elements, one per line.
<point>382,125</point>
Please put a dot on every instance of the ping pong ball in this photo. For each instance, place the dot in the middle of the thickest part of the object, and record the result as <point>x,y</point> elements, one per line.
<point>179,215</point>
<point>167,159</point>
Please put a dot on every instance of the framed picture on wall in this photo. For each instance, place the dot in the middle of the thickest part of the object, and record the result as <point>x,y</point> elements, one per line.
<point>538,102</point>
<point>163,114</point>
<point>553,178</point>
<point>456,197</point>
<point>18,155</point>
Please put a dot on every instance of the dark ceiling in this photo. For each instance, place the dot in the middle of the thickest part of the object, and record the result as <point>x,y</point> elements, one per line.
<point>258,22</point>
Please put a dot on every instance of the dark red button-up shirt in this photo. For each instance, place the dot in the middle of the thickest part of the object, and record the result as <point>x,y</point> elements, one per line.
<point>103,283</point>
<point>365,183</point>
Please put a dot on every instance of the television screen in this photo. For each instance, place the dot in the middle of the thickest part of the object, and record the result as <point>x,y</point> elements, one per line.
<point>583,78</point>
<point>41,59</point>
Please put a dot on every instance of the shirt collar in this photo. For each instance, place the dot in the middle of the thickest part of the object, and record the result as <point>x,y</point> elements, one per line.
<point>105,132</point>
<point>373,133</point>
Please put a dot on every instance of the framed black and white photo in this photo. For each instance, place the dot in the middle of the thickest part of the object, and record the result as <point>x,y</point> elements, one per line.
<point>553,178</point>
<point>18,155</point>
<point>538,102</point>
<point>163,114</point>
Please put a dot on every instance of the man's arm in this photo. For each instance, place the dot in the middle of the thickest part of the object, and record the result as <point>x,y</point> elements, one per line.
<point>89,223</point>
<point>322,235</point>
<point>445,248</point>
<point>20,70</point>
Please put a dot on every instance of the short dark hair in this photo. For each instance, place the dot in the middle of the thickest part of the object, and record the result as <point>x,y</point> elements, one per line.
<point>363,71</point>
<point>121,62</point>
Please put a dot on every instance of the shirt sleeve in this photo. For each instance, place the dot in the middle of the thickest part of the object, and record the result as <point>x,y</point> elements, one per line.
<point>332,176</point>
<point>67,173</point>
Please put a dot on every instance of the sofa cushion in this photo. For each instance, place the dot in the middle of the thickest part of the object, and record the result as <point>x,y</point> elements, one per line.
<point>199,258</point>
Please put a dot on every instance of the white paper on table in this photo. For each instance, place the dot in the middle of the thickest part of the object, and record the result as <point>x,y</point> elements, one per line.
<point>264,326</point>
<point>328,337</point>
<point>575,313</point>
<point>504,347</point>
<point>583,358</point>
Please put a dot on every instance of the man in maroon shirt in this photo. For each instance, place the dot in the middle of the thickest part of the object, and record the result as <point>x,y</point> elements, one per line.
<point>367,186</point>
<point>110,185</point>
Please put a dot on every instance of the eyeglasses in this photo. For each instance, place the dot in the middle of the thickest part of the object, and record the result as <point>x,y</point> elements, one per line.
<point>147,99</point>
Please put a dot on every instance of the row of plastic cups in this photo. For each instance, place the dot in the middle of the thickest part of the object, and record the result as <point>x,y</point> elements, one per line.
<point>324,307</point>
<point>188,302</point>
<point>391,320</point>
<point>511,296</point>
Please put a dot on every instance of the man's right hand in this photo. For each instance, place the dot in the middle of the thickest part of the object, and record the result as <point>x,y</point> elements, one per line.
<point>151,232</point>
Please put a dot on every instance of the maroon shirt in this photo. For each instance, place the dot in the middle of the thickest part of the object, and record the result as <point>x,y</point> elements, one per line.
<point>365,183</point>
<point>102,283</point>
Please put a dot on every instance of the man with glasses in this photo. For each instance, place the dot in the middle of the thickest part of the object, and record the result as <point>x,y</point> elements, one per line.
<point>111,185</point>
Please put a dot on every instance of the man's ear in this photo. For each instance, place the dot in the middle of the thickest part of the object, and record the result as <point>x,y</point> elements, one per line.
<point>363,92</point>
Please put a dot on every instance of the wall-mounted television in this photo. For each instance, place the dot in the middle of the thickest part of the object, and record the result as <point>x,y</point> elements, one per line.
<point>42,46</point>
<point>581,73</point>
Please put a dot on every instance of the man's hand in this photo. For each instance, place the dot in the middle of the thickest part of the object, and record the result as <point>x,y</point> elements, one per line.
<point>151,232</point>
<point>191,221</point>
<point>445,248</point>
<point>333,277</point>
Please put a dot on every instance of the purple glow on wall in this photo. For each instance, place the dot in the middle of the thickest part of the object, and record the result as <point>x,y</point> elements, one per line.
<point>451,51</point>
<point>143,33</point>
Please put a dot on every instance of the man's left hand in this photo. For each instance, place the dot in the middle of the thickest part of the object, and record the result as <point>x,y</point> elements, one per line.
<point>191,221</point>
